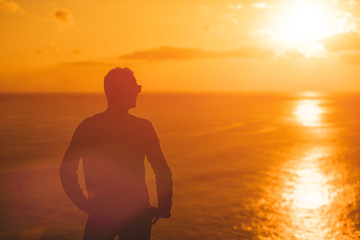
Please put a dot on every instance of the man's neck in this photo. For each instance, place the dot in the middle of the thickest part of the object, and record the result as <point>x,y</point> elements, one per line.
<point>117,110</point>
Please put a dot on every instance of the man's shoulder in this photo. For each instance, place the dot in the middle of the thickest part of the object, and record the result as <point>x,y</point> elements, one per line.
<point>139,120</point>
<point>100,118</point>
<point>142,123</point>
<point>88,121</point>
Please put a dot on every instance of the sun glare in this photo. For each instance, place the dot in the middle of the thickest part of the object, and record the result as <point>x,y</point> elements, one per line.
<point>310,189</point>
<point>308,112</point>
<point>309,194</point>
<point>305,21</point>
<point>300,24</point>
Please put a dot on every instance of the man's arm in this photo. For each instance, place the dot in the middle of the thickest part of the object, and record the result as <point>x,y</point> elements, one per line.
<point>162,172</point>
<point>68,172</point>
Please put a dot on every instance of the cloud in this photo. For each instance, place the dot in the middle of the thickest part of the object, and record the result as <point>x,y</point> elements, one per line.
<point>204,9</point>
<point>342,42</point>
<point>230,16</point>
<point>351,58</point>
<point>353,3</point>
<point>39,51</point>
<point>260,5</point>
<point>9,6</point>
<point>235,6</point>
<point>84,63</point>
<point>50,49</point>
<point>63,16</point>
<point>263,32</point>
<point>55,50</point>
<point>250,52</point>
<point>76,52</point>
<point>293,53</point>
<point>169,52</point>
<point>207,26</point>
<point>227,15</point>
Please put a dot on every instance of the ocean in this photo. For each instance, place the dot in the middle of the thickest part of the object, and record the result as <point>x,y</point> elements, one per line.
<point>245,165</point>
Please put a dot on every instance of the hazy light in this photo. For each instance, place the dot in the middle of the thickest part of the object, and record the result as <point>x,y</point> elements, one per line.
<point>308,193</point>
<point>305,21</point>
<point>310,94</point>
<point>310,189</point>
<point>300,24</point>
<point>308,112</point>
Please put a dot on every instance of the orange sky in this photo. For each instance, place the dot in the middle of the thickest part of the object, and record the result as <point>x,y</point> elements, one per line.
<point>183,45</point>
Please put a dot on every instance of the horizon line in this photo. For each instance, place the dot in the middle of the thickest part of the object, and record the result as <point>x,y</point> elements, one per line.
<point>303,92</point>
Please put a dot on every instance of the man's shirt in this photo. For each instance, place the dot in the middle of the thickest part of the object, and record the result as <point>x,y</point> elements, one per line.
<point>113,150</point>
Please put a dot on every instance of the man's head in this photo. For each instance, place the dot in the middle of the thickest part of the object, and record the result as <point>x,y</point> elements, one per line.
<point>121,88</point>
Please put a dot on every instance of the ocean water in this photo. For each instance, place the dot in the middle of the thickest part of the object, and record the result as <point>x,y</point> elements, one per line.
<point>245,166</point>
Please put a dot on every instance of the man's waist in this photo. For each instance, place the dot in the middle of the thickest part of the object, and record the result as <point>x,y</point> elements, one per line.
<point>118,204</point>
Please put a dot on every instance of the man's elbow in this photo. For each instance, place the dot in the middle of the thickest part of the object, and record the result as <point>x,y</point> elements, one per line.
<point>63,172</point>
<point>66,169</point>
<point>164,179</point>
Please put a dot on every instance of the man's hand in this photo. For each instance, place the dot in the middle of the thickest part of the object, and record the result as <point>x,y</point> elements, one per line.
<point>159,213</point>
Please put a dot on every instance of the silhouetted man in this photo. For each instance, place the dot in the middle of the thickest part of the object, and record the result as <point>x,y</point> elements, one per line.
<point>113,145</point>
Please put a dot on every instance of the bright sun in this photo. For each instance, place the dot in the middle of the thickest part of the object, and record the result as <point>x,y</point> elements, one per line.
<point>300,24</point>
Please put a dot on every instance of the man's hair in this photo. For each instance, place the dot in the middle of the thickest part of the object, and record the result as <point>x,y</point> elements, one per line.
<point>118,80</point>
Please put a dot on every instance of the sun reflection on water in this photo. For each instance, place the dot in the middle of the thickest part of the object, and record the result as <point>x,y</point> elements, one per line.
<point>309,195</point>
<point>308,112</point>
<point>318,199</point>
<point>315,195</point>
<point>310,189</point>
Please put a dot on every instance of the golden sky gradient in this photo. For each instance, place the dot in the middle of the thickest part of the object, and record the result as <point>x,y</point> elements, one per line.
<point>217,45</point>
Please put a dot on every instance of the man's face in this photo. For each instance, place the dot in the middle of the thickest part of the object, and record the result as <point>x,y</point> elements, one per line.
<point>133,92</point>
<point>125,97</point>
<point>132,99</point>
